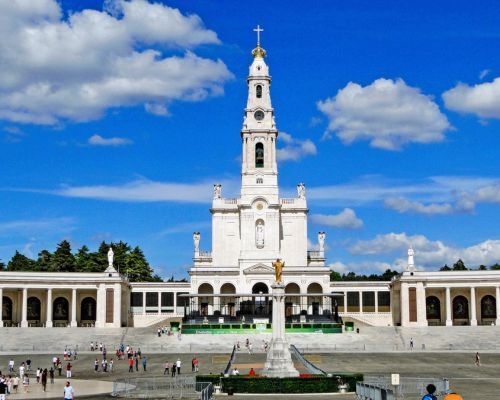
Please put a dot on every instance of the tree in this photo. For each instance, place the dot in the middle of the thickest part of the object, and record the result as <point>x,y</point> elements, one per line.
<point>121,251</point>
<point>44,261</point>
<point>19,262</point>
<point>459,266</point>
<point>2,266</point>
<point>335,276</point>
<point>84,261</point>
<point>63,260</point>
<point>445,268</point>
<point>137,268</point>
<point>495,266</point>
<point>483,267</point>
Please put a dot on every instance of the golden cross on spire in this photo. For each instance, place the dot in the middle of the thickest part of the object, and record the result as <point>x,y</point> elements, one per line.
<point>258,30</point>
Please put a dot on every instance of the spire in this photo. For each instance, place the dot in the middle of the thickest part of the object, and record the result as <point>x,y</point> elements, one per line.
<point>411,263</point>
<point>258,52</point>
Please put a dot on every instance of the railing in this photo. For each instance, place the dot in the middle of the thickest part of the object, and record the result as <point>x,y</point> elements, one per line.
<point>153,388</point>
<point>287,201</point>
<point>230,201</point>
<point>315,254</point>
<point>365,391</point>
<point>408,387</point>
<point>205,389</point>
<point>231,361</point>
<point>311,368</point>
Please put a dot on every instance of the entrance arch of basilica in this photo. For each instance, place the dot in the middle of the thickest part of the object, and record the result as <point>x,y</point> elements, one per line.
<point>206,304</point>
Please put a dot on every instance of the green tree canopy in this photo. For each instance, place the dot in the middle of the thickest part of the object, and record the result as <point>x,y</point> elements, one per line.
<point>459,266</point>
<point>387,275</point>
<point>19,262</point>
<point>63,260</point>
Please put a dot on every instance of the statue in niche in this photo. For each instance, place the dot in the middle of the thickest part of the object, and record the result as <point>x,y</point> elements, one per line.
<point>301,191</point>
<point>321,240</point>
<point>217,191</point>
<point>111,256</point>
<point>196,241</point>
<point>278,270</point>
<point>259,235</point>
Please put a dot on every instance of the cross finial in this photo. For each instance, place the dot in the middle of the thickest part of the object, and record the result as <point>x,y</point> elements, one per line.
<point>258,30</point>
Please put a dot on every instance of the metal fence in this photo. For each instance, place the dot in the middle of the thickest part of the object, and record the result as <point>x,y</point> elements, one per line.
<point>153,388</point>
<point>205,389</point>
<point>381,388</point>
<point>311,368</point>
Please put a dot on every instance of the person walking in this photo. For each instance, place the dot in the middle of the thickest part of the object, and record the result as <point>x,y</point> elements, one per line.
<point>110,366</point>
<point>411,343</point>
<point>192,365</point>
<point>69,393</point>
<point>478,360</point>
<point>11,365</point>
<point>178,366</point>
<point>431,389</point>
<point>51,374</point>
<point>44,380</point>
<point>26,383</point>
<point>38,373</point>
<point>144,363</point>
<point>96,365</point>
<point>195,362</point>
<point>21,370</point>
<point>15,383</point>
<point>68,370</point>
<point>136,363</point>
<point>59,367</point>
<point>166,368</point>
<point>173,370</point>
<point>130,365</point>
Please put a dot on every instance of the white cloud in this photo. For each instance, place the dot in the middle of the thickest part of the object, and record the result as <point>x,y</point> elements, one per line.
<point>146,191</point>
<point>388,113</point>
<point>294,149</point>
<point>346,219</point>
<point>402,205</point>
<point>429,254</point>
<point>98,140</point>
<point>488,194</point>
<point>363,267</point>
<point>36,226</point>
<point>482,99</point>
<point>156,109</point>
<point>75,69</point>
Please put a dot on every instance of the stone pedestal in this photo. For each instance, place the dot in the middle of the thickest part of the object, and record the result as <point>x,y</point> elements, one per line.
<point>279,360</point>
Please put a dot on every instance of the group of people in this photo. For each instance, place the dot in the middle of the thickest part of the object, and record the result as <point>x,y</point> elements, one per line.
<point>165,330</point>
<point>173,368</point>
<point>10,384</point>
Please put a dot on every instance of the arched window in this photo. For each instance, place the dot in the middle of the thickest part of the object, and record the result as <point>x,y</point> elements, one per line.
<point>60,309</point>
<point>460,308</point>
<point>258,91</point>
<point>34,308</point>
<point>260,180</point>
<point>488,307</point>
<point>259,155</point>
<point>6,308</point>
<point>433,306</point>
<point>88,309</point>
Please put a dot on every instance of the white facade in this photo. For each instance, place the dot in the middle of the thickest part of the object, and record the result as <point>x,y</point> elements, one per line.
<point>258,227</point>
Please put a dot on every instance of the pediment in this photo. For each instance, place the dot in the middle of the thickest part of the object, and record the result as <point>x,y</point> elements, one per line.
<point>259,269</point>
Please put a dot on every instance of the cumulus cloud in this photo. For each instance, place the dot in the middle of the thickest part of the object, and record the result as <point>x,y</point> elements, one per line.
<point>387,113</point>
<point>483,73</point>
<point>75,68</point>
<point>402,205</point>
<point>294,149</point>
<point>482,99</point>
<point>18,227</point>
<point>346,219</point>
<point>98,140</point>
<point>362,267</point>
<point>429,254</point>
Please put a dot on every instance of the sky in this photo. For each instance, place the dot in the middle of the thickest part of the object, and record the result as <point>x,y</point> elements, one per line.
<point>117,118</point>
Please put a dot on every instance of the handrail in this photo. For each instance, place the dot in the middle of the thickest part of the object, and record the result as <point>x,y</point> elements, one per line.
<point>231,361</point>
<point>309,365</point>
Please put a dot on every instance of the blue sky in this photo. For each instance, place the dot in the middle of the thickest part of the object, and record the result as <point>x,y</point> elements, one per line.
<point>116,119</point>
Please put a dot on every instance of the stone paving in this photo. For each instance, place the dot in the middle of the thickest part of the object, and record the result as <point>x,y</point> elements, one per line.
<point>474,383</point>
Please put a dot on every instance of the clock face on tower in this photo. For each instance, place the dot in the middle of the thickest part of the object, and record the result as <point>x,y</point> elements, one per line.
<point>259,115</point>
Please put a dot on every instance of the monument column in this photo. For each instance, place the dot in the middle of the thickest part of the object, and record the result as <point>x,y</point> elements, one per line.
<point>404,306</point>
<point>101,306</point>
<point>497,296</point>
<point>376,302</point>
<point>24,310</point>
<point>1,307</point>
<point>345,302</point>
<point>48,322</point>
<point>449,321</point>
<point>473,316</point>
<point>143,303</point>
<point>117,305</point>
<point>73,309</point>
<point>159,303</point>
<point>360,302</point>
<point>421,305</point>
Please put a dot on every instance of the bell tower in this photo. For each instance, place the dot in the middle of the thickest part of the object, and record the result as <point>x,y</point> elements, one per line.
<point>259,168</point>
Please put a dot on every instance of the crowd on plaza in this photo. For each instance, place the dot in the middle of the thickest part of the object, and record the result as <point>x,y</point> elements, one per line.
<point>166,331</point>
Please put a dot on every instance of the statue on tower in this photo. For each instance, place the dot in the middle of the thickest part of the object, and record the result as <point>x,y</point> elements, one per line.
<point>111,256</point>
<point>217,191</point>
<point>278,270</point>
<point>411,261</point>
<point>259,235</point>
<point>196,241</point>
<point>301,191</point>
<point>321,241</point>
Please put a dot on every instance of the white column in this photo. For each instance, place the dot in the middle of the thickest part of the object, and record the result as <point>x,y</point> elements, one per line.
<point>117,306</point>
<point>159,303</point>
<point>73,309</point>
<point>1,307</point>
<point>143,303</point>
<point>24,310</point>
<point>175,303</point>
<point>404,305</point>
<point>421,306</point>
<point>345,302</point>
<point>101,306</point>
<point>473,316</point>
<point>48,322</point>
<point>376,302</point>
<point>497,296</point>
<point>449,321</point>
<point>361,302</point>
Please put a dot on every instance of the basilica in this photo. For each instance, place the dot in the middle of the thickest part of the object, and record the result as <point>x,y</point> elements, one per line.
<point>230,284</point>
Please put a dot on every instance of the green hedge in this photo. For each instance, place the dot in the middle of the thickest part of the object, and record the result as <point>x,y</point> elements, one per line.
<point>258,384</point>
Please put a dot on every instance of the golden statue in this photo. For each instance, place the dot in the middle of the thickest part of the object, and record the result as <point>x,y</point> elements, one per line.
<point>278,270</point>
